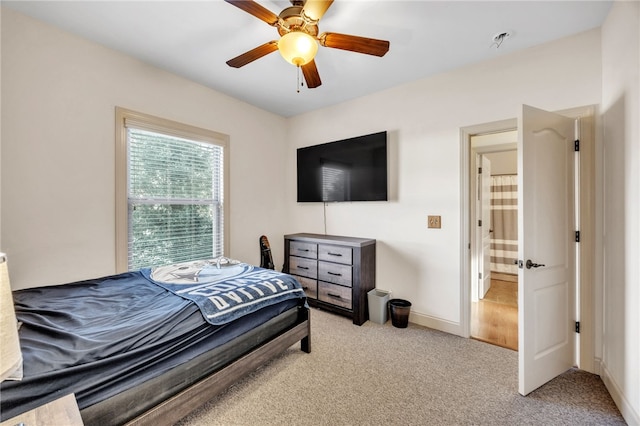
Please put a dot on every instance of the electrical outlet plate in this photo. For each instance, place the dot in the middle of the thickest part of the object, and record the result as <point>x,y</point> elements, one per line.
<point>433,222</point>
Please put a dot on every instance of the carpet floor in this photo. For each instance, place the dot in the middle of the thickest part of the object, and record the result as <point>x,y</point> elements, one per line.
<point>378,374</point>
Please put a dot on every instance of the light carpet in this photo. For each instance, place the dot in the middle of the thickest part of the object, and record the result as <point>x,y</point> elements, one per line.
<point>378,374</point>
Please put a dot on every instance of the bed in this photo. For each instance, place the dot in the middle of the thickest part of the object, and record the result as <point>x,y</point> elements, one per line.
<point>150,346</point>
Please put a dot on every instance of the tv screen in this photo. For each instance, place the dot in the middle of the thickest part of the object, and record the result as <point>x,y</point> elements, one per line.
<point>352,169</point>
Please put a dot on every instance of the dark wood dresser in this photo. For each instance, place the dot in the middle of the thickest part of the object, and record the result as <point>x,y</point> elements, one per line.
<point>336,272</point>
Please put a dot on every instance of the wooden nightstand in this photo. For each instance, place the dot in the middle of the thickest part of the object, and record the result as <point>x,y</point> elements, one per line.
<point>63,411</point>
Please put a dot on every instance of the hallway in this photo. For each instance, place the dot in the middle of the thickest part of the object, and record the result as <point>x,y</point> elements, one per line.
<point>494,319</point>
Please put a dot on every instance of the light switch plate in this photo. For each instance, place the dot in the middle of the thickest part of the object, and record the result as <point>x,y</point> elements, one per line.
<point>433,222</point>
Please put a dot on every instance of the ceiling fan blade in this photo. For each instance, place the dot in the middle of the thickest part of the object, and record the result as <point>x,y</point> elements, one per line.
<point>256,10</point>
<point>311,75</point>
<point>315,9</point>
<point>253,54</point>
<point>369,46</point>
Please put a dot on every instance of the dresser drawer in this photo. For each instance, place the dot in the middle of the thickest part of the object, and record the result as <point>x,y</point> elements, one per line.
<point>303,267</point>
<point>301,249</point>
<point>335,294</point>
<point>335,254</point>
<point>309,286</point>
<point>335,273</point>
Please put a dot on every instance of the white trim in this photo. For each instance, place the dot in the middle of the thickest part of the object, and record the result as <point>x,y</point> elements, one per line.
<point>436,323</point>
<point>631,416</point>
<point>589,137</point>
<point>468,206</point>
<point>587,261</point>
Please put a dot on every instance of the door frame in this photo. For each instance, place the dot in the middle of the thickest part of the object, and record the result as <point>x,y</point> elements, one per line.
<point>473,205</point>
<point>585,274</point>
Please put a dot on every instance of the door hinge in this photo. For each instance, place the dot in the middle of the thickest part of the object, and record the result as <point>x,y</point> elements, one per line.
<point>479,170</point>
<point>479,275</point>
<point>577,236</point>
<point>577,326</point>
<point>576,145</point>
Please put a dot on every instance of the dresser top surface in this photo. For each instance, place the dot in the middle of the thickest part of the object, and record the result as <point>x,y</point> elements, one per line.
<point>331,239</point>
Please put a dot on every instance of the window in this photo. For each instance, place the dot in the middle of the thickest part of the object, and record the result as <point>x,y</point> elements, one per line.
<point>171,191</point>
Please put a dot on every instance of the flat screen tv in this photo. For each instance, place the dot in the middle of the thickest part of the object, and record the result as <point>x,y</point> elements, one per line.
<point>352,169</point>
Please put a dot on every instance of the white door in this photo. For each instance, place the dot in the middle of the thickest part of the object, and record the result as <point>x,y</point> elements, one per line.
<point>546,247</point>
<point>485,228</point>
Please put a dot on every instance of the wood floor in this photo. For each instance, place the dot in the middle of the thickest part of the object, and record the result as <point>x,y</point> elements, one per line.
<point>494,319</point>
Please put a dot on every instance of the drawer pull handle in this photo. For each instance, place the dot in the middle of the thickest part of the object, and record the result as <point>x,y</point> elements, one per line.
<point>337,296</point>
<point>335,254</point>
<point>303,267</point>
<point>334,274</point>
<point>304,250</point>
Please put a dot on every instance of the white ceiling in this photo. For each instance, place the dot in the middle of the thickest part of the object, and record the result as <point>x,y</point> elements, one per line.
<point>194,39</point>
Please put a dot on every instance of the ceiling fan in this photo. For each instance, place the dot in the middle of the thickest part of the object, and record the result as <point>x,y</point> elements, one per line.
<point>298,43</point>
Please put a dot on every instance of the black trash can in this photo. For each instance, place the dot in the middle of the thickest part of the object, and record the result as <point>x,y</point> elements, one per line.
<point>399,312</point>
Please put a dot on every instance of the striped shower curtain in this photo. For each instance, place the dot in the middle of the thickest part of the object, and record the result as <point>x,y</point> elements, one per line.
<point>504,223</point>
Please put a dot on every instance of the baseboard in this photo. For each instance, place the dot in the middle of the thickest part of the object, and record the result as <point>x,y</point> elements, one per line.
<point>435,323</point>
<point>631,416</point>
<point>597,367</point>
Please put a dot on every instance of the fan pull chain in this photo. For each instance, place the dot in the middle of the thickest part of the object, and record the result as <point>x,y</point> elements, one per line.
<point>299,84</point>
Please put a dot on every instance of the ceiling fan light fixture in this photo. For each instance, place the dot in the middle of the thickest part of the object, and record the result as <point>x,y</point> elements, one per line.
<point>298,48</point>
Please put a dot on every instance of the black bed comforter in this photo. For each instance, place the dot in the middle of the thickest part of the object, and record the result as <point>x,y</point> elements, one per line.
<point>98,337</point>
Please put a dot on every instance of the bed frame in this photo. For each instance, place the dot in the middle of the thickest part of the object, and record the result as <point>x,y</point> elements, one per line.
<point>271,340</point>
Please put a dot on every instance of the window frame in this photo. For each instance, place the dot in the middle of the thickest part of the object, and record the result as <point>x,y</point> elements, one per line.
<point>172,128</point>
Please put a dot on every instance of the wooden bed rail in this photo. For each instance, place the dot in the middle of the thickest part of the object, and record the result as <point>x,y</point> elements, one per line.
<point>180,405</point>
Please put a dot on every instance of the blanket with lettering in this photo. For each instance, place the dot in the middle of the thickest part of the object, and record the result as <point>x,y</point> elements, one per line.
<point>225,290</point>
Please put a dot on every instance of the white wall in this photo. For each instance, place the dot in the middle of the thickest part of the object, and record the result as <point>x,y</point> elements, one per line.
<point>424,119</point>
<point>621,206</point>
<point>503,163</point>
<point>57,166</point>
<point>59,94</point>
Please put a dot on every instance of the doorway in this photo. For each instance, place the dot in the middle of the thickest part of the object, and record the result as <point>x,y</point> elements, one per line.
<point>494,280</point>
<point>585,175</point>
<point>494,319</point>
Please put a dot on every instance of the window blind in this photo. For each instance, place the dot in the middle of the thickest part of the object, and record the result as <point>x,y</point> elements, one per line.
<point>175,199</point>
